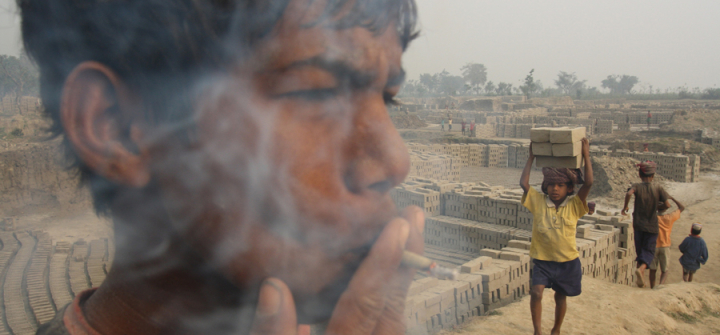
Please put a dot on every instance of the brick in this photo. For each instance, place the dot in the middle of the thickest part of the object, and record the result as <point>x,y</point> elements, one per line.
<point>567,149</point>
<point>567,135</point>
<point>542,148</point>
<point>495,254</point>
<point>559,162</point>
<point>540,134</point>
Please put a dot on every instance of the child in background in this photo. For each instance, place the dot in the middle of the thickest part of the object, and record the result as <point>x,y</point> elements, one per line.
<point>694,252</point>
<point>648,196</point>
<point>556,262</point>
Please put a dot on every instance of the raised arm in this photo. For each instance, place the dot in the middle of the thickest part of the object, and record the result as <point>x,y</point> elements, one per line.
<point>525,176</point>
<point>628,195</point>
<point>681,207</point>
<point>585,189</point>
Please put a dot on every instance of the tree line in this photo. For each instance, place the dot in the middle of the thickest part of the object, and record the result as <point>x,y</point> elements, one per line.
<point>473,80</point>
<point>18,76</point>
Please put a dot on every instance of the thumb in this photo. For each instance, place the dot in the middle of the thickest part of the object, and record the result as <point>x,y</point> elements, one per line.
<point>275,312</point>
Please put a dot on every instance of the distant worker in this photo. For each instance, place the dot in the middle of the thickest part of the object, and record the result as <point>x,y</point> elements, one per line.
<point>463,127</point>
<point>450,125</point>
<point>645,220</point>
<point>472,128</point>
<point>646,147</point>
<point>649,118</point>
<point>442,125</point>
<point>694,252</point>
<point>553,249</point>
<point>666,220</point>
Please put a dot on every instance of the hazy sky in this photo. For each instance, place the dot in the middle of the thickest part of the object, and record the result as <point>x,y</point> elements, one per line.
<point>665,43</point>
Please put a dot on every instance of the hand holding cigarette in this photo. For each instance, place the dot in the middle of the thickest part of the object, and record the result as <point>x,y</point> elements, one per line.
<point>375,298</point>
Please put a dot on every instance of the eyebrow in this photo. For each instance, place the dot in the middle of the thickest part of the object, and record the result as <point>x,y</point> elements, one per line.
<point>345,72</point>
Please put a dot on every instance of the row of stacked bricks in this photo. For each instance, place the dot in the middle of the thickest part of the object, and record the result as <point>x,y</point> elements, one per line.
<point>624,243</point>
<point>426,193</point>
<point>484,284</point>
<point>557,147</point>
<point>26,105</point>
<point>464,155</point>
<point>434,166</point>
<point>464,235</point>
<point>604,242</point>
<point>676,167</point>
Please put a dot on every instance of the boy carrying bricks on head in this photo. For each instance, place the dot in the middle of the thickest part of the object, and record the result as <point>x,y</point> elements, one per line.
<point>666,220</point>
<point>553,249</point>
<point>694,252</point>
<point>645,220</point>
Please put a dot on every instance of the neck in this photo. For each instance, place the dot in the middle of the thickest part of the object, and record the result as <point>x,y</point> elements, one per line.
<point>160,285</point>
<point>558,202</point>
<point>647,179</point>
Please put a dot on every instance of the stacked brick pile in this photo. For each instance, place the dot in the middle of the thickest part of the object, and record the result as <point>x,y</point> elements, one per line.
<point>485,283</point>
<point>676,167</point>
<point>557,147</point>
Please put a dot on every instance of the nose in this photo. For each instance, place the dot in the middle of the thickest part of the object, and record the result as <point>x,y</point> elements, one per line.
<point>377,157</point>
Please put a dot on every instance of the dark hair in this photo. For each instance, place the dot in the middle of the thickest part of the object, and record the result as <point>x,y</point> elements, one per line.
<point>544,187</point>
<point>695,231</point>
<point>645,175</point>
<point>161,47</point>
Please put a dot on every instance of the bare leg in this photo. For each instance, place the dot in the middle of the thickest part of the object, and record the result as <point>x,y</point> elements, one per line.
<point>652,278</point>
<point>536,294</point>
<point>663,277</point>
<point>690,275</point>
<point>685,276</point>
<point>640,273</point>
<point>560,309</point>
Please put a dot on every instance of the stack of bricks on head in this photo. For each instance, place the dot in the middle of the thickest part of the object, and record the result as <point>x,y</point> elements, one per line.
<point>557,147</point>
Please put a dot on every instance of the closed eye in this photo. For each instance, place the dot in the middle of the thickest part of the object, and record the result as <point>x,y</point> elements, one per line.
<point>320,94</point>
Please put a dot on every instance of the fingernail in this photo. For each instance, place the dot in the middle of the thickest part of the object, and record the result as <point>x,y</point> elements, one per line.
<point>270,299</point>
<point>404,234</point>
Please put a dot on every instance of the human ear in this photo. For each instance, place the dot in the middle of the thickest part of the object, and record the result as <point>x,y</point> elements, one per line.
<point>99,118</point>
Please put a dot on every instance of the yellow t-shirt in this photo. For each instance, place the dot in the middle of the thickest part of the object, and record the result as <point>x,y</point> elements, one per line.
<point>553,234</point>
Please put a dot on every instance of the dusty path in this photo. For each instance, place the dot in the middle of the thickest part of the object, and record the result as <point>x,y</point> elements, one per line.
<point>609,309</point>
<point>703,205</point>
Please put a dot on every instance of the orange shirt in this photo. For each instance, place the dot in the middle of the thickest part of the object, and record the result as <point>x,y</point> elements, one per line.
<point>665,223</point>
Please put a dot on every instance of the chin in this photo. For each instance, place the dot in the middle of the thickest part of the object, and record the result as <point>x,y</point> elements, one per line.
<point>318,307</point>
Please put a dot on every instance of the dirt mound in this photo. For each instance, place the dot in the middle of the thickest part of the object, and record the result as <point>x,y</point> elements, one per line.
<point>407,121</point>
<point>695,119</point>
<point>609,309</point>
<point>613,176</point>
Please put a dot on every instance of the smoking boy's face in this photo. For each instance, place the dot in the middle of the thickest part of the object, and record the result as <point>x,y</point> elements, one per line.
<point>292,158</point>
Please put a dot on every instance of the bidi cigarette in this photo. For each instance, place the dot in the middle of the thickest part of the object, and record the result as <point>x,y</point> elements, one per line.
<point>416,261</point>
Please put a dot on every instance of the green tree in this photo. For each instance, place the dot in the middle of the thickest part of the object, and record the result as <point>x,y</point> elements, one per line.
<point>620,84</point>
<point>489,88</point>
<point>504,89</point>
<point>429,81</point>
<point>18,76</point>
<point>568,83</point>
<point>449,84</point>
<point>529,87</point>
<point>475,74</point>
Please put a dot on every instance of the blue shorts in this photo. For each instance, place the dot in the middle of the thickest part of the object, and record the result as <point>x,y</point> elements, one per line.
<point>645,247</point>
<point>563,277</point>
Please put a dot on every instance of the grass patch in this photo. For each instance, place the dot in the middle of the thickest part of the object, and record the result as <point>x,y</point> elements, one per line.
<point>709,312</point>
<point>495,312</point>
<point>684,317</point>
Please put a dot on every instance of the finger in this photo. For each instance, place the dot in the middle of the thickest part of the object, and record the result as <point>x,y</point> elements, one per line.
<point>392,319</point>
<point>275,313</point>
<point>416,217</point>
<point>361,304</point>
